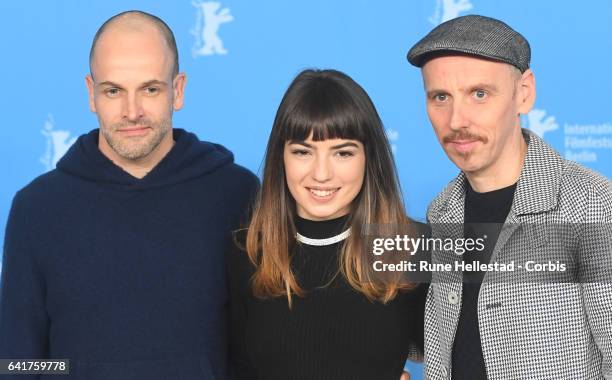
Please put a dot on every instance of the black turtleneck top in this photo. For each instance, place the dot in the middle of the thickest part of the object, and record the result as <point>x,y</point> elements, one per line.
<point>334,332</point>
<point>485,214</point>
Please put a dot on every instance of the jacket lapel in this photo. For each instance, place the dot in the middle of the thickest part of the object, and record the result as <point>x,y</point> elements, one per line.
<point>447,222</point>
<point>537,190</point>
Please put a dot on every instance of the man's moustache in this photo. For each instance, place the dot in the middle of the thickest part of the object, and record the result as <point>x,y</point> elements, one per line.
<point>140,123</point>
<point>463,136</point>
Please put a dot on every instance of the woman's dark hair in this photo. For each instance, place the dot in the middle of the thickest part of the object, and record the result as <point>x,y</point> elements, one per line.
<point>324,104</point>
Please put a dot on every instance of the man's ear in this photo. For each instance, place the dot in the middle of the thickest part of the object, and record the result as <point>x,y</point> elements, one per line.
<point>526,92</point>
<point>90,88</point>
<point>178,86</point>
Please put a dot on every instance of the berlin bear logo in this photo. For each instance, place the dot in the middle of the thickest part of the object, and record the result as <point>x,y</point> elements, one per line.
<point>449,9</point>
<point>58,143</point>
<point>538,124</point>
<point>209,19</point>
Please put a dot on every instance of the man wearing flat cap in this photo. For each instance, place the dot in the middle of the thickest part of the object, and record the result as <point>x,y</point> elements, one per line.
<point>551,323</point>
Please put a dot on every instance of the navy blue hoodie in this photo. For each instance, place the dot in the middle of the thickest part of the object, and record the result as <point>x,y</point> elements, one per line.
<point>124,276</point>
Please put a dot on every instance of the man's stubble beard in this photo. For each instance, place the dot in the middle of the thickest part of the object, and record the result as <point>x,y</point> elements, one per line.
<point>132,151</point>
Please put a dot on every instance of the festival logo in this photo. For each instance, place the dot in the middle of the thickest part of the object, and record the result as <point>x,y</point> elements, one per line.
<point>58,142</point>
<point>588,142</point>
<point>448,10</point>
<point>581,143</point>
<point>539,124</point>
<point>208,20</point>
<point>393,136</point>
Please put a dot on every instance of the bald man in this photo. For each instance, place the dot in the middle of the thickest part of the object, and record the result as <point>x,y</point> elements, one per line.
<point>114,260</point>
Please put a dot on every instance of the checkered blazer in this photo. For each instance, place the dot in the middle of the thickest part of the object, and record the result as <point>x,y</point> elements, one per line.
<point>532,330</point>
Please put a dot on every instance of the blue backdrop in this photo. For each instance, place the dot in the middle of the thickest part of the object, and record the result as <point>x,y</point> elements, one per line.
<point>240,55</point>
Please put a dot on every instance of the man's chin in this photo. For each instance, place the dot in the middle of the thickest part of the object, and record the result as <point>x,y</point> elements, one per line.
<point>135,147</point>
<point>133,153</point>
<point>466,163</point>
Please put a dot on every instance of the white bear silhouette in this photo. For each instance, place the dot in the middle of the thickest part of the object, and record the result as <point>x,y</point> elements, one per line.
<point>208,22</point>
<point>449,9</point>
<point>539,125</point>
<point>58,143</point>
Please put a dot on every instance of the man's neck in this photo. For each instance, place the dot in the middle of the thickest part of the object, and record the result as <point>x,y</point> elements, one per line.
<point>140,168</point>
<point>502,174</point>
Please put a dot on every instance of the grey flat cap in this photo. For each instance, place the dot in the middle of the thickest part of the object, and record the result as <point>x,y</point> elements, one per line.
<point>473,35</point>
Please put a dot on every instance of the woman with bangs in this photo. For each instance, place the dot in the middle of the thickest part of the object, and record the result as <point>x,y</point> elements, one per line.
<point>304,302</point>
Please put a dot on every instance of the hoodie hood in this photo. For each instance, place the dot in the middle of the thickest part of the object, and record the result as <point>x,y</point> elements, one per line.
<point>189,158</point>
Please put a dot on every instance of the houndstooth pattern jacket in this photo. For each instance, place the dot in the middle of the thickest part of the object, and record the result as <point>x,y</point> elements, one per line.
<point>532,330</point>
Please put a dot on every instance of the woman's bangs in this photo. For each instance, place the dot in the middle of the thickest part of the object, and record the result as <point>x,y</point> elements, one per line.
<point>324,122</point>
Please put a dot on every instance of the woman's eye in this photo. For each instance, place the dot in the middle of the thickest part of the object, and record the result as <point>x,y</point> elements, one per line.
<point>300,152</point>
<point>345,153</point>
